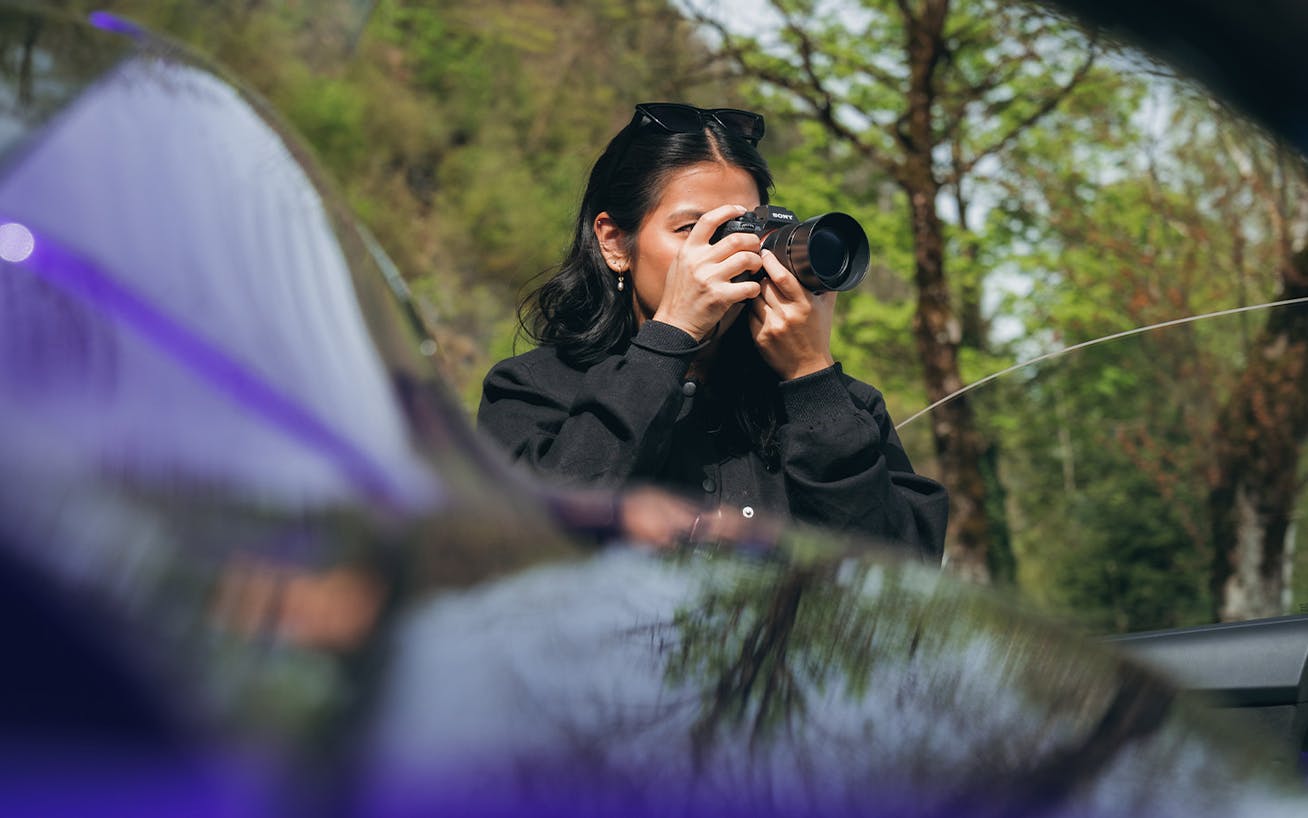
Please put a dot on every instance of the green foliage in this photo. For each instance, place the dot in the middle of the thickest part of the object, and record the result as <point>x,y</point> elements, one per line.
<point>1123,562</point>
<point>1109,498</point>
<point>330,113</point>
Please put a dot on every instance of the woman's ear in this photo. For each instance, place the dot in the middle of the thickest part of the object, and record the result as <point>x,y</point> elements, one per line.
<point>612,242</point>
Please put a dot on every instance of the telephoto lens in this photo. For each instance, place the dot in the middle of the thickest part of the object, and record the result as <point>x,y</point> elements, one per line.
<point>827,252</point>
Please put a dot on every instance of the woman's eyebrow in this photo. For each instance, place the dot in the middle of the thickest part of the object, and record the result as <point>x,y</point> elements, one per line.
<point>685,214</point>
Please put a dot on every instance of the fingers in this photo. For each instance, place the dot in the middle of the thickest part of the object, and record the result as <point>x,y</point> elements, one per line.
<point>734,249</point>
<point>708,224</point>
<point>783,290</point>
<point>774,301</point>
<point>791,326</point>
<point>725,265</point>
<point>743,290</point>
<point>728,281</point>
<point>783,280</point>
<point>706,278</point>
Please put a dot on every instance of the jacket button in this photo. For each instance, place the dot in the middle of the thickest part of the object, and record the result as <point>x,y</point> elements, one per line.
<point>709,485</point>
<point>688,389</point>
<point>747,511</point>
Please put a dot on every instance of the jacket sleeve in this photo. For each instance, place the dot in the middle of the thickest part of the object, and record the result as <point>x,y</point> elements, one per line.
<point>602,427</point>
<point>846,468</point>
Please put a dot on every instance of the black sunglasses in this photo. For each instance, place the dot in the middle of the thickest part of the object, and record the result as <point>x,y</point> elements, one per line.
<point>674,117</point>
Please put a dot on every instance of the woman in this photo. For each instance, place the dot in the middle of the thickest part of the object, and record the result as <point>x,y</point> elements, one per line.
<point>662,360</point>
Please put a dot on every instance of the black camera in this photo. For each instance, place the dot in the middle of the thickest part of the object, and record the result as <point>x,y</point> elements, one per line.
<point>827,252</point>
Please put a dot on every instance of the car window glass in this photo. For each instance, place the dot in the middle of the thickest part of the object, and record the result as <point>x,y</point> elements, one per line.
<point>1110,487</point>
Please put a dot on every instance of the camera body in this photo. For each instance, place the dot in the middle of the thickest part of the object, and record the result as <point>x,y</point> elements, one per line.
<point>827,252</point>
<point>759,221</point>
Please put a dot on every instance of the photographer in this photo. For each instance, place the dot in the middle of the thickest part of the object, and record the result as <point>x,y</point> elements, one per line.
<point>671,354</point>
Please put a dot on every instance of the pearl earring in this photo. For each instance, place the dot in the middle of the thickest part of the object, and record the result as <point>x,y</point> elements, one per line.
<point>622,282</point>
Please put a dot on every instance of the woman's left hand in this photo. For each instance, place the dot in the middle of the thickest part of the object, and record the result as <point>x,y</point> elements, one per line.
<point>791,325</point>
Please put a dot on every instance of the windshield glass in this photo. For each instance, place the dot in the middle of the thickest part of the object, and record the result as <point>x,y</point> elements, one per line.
<point>1026,185</point>
<point>1110,457</point>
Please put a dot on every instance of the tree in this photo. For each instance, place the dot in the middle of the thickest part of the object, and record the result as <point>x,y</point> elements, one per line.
<point>928,92</point>
<point>1260,436</point>
<point>1201,425</point>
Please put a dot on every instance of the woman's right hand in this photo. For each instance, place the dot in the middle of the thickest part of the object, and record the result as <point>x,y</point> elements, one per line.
<point>700,286</point>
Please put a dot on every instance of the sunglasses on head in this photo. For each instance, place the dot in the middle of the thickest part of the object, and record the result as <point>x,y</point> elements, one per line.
<point>674,117</point>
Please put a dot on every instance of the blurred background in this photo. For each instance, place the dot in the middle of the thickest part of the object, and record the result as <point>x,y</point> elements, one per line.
<point>1029,186</point>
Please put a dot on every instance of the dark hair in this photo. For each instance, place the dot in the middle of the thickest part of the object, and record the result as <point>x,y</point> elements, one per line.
<point>578,309</point>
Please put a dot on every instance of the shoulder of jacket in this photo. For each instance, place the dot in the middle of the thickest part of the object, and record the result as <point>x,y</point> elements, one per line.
<point>540,362</point>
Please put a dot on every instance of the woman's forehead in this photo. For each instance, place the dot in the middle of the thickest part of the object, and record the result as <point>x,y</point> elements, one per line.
<point>696,189</point>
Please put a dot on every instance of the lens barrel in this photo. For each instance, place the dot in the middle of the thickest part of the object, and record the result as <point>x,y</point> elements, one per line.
<point>827,252</point>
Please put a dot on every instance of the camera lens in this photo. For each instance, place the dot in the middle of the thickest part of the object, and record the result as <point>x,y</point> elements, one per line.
<point>827,252</point>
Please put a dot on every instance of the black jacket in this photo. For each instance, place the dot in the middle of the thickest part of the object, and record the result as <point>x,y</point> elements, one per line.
<point>634,418</point>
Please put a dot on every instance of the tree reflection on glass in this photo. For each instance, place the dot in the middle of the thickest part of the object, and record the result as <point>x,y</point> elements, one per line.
<point>863,672</point>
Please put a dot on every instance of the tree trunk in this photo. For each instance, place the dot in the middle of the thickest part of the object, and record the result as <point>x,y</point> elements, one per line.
<point>936,328</point>
<point>1257,450</point>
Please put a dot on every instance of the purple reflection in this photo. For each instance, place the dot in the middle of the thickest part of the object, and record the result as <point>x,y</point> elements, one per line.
<point>111,22</point>
<point>84,280</point>
<point>16,242</point>
<point>173,189</point>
